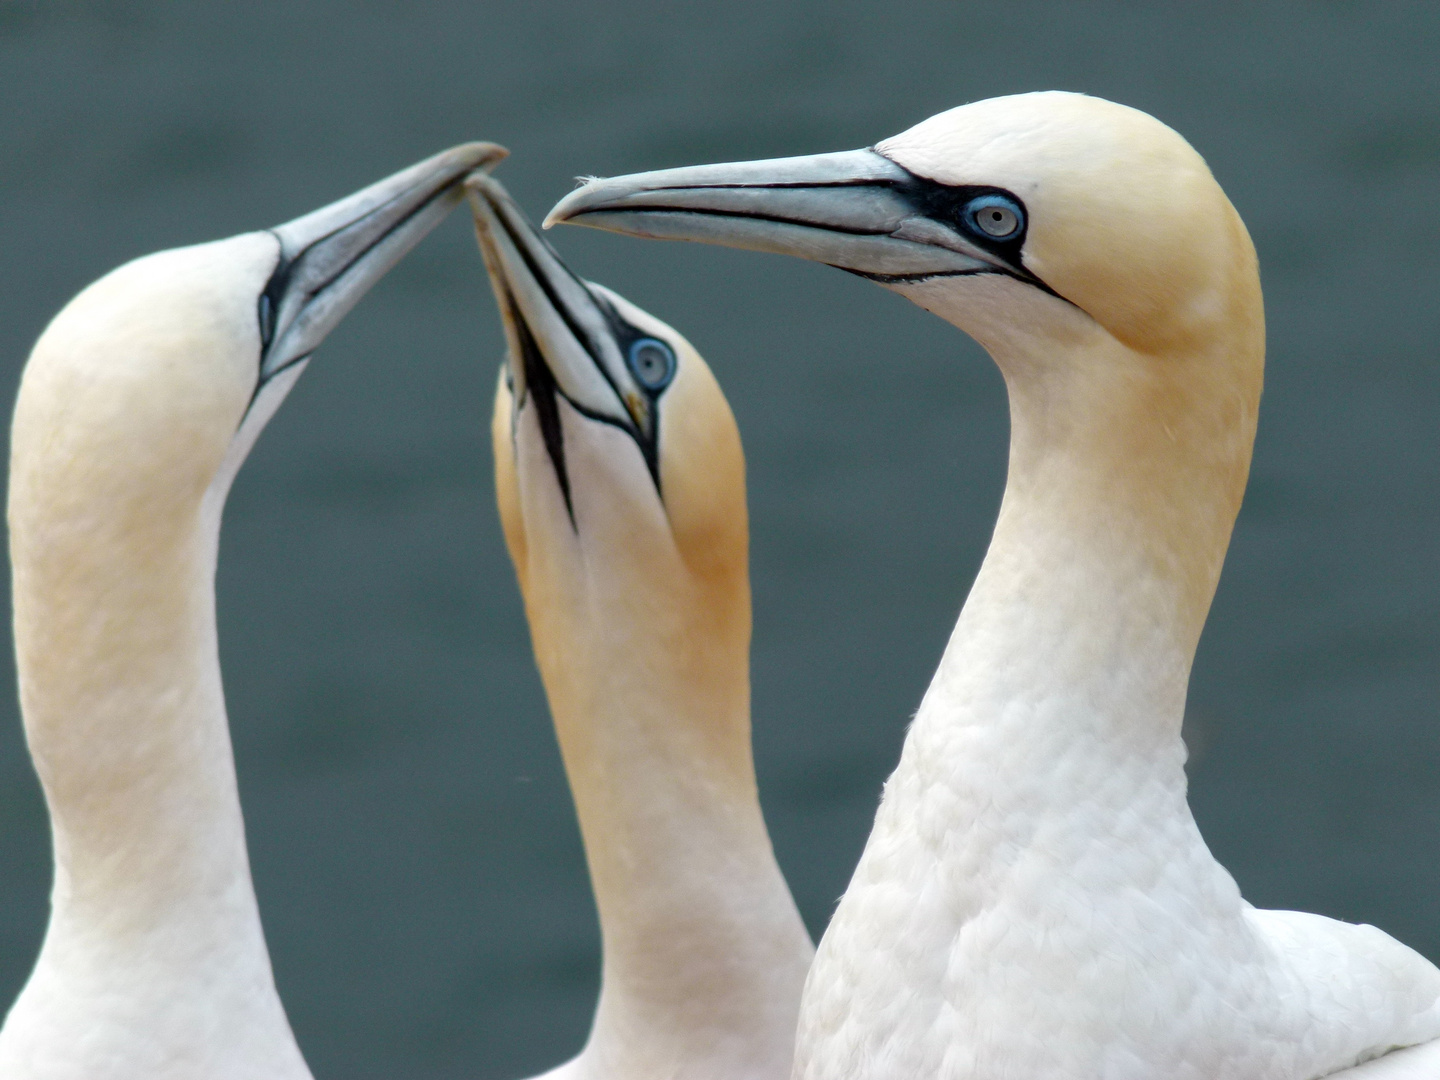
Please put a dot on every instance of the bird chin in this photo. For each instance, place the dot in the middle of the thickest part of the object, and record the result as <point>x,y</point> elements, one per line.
<point>1007,317</point>
<point>268,399</point>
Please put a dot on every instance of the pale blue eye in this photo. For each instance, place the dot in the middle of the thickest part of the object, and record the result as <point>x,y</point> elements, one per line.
<point>995,216</point>
<point>652,363</point>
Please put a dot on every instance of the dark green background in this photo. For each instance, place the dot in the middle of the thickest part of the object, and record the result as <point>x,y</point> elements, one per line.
<point>414,849</point>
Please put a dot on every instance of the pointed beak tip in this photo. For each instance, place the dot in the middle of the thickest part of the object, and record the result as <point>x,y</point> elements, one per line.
<point>482,155</point>
<point>582,200</point>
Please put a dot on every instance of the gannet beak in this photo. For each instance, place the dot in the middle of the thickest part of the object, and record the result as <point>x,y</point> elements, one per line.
<point>857,210</point>
<point>330,257</point>
<point>564,335</point>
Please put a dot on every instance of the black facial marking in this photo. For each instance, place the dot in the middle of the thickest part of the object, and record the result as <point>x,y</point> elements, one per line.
<point>283,276</point>
<point>537,273</point>
<point>540,387</point>
<point>947,204</point>
<point>624,335</point>
<point>267,312</point>
<point>942,203</point>
<point>269,301</point>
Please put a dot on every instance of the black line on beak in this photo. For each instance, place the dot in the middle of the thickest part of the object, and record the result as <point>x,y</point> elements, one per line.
<point>929,199</point>
<point>281,278</point>
<point>623,332</point>
<point>541,388</point>
<point>779,219</point>
<point>579,332</point>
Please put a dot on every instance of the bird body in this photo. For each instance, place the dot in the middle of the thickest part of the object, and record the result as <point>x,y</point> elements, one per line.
<point>138,405</point>
<point>621,485</point>
<point>1035,899</point>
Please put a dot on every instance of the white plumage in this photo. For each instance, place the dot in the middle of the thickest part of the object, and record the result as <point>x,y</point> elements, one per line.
<point>1035,899</point>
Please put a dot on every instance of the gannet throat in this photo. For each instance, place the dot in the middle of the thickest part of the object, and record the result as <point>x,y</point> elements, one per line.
<point>136,408</point>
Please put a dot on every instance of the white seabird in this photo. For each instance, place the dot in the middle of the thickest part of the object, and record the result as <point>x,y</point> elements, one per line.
<point>1035,899</point>
<point>137,407</point>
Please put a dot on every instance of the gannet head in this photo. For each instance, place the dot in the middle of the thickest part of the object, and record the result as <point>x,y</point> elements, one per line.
<point>148,389</point>
<point>621,485</point>
<point>1089,203</point>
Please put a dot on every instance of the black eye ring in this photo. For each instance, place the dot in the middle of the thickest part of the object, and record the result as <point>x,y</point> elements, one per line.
<point>995,217</point>
<point>652,362</point>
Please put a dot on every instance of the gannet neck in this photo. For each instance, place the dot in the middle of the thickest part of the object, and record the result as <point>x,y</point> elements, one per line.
<point>645,662</point>
<point>703,954</point>
<point>154,921</point>
<point>125,417</point>
<point>644,655</point>
<point>621,485</point>
<point>1126,468</point>
<point>1047,749</point>
<point>121,693</point>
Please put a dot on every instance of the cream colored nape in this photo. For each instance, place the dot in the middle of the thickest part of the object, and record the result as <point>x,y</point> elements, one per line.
<point>154,963</point>
<point>639,611</point>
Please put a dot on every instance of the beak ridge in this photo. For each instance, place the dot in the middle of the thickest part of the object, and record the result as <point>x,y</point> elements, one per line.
<point>330,257</point>
<point>844,169</point>
<point>543,301</point>
<point>855,210</point>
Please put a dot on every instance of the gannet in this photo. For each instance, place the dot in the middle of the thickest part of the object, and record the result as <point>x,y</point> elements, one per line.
<point>1035,899</point>
<point>621,485</point>
<point>137,407</point>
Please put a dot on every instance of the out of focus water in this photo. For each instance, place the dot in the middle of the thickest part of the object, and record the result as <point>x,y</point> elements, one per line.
<point>414,849</point>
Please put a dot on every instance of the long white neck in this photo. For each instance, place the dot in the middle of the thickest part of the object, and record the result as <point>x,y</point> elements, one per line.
<point>154,962</point>
<point>1061,692</point>
<point>704,952</point>
<point>1034,849</point>
<point>647,673</point>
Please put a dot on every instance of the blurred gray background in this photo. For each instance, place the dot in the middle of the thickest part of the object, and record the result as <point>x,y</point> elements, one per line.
<point>414,848</point>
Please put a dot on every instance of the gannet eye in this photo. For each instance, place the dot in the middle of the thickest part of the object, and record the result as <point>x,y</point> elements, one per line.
<point>995,215</point>
<point>653,363</point>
